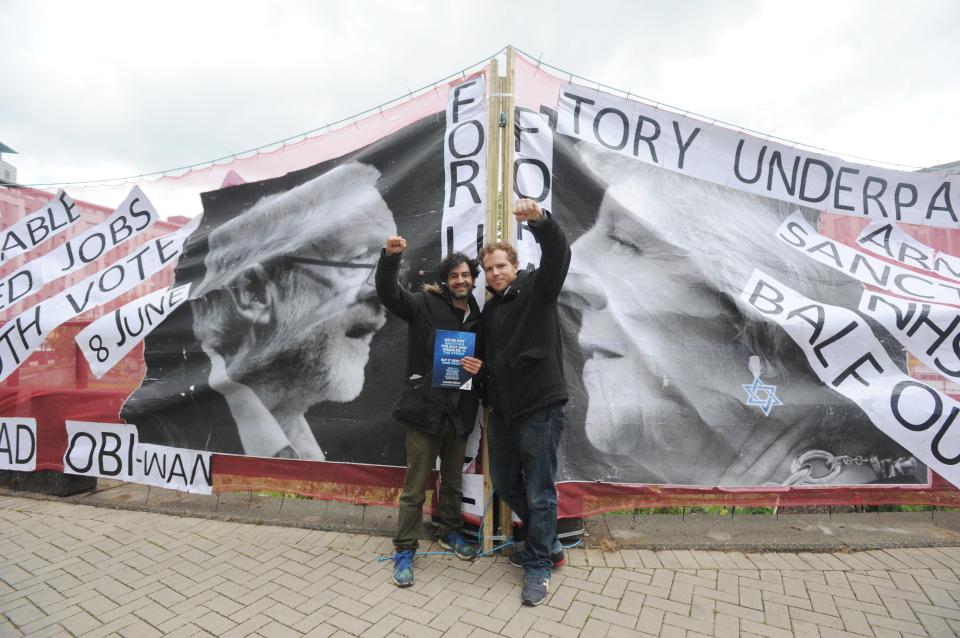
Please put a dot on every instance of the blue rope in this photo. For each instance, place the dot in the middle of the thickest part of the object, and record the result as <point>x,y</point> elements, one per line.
<point>494,550</point>
<point>393,557</point>
<point>497,548</point>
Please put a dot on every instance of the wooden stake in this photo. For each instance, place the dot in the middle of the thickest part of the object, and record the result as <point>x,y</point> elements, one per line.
<point>506,185</point>
<point>493,191</point>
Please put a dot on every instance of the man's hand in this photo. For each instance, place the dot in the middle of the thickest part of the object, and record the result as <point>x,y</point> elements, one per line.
<point>471,365</point>
<point>395,245</point>
<point>527,210</point>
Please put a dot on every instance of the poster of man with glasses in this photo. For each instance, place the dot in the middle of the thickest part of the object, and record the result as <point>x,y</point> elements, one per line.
<point>270,356</point>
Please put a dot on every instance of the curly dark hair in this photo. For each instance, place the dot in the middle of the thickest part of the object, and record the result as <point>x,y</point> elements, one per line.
<point>453,260</point>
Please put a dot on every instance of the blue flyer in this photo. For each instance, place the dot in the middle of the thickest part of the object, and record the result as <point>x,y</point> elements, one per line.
<point>448,348</point>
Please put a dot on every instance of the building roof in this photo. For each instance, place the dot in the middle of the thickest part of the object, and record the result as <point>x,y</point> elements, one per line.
<point>949,168</point>
<point>6,149</point>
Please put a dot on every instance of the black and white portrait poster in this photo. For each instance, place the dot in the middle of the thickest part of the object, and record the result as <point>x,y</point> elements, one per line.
<point>714,330</point>
<point>721,328</point>
<point>282,349</point>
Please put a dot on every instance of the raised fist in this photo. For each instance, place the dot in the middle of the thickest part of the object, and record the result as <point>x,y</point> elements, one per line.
<point>395,245</point>
<point>527,210</point>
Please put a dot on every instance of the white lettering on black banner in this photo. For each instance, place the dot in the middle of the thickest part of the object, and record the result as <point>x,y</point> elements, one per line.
<point>18,443</point>
<point>730,158</point>
<point>844,353</point>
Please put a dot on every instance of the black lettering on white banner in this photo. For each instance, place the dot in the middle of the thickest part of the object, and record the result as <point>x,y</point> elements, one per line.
<point>18,444</point>
<point>845,354</point>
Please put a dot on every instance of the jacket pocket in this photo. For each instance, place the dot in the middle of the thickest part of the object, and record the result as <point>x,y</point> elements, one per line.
<point>419,405</point>
<point>531,355</point>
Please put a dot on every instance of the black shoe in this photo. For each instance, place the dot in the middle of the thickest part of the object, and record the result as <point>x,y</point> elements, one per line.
<point>535,588</point>
<point>516,558</point>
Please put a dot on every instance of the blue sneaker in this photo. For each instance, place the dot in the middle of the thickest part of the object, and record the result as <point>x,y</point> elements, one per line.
<point>456,543</point>
<point>535,587</point>
<point>403,568</point>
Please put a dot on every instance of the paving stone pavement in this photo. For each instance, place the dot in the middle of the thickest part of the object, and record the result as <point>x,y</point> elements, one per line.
<point>68,569</point>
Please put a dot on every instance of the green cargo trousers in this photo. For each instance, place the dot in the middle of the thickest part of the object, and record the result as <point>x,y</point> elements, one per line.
<point>422,451</point>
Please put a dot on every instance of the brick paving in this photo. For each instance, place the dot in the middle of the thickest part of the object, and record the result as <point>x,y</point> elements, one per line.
<point>68,569</point>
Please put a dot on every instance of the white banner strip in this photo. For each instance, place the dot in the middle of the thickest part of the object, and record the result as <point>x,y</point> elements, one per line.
<point>929,331</point>
<point>108,339</point>
<point>113,450</point>
<point>844,353</point>
<point>473,502</point>
<point>892,241</point>
<point>465,168</point>
<point>50,220</point>
<point>134,215</point>
<point>723,156</point>
<point>863,267</point>
<point>22,335</point>
<point>18,443</point>
<point>173,468</point>
<point>533,174</point>
<point>104,450</point>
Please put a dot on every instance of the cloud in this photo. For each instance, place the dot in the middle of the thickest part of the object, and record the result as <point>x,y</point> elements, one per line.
<point>109,88</point>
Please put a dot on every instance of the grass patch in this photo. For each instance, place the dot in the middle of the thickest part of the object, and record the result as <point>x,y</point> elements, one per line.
<point>729,510</point>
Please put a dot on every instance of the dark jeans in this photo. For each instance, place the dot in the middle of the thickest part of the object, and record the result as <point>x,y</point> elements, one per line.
<point>422,451</point>
<point>523,467</point>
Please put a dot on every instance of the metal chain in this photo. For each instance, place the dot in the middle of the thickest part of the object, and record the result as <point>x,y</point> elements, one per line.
<point>802,471</point>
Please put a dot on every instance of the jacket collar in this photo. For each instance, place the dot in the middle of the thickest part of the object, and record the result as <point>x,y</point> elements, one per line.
<point>514,288</point>
<point>444,293</point>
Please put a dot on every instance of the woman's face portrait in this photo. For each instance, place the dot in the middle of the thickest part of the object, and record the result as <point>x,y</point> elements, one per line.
<point>666,348</point>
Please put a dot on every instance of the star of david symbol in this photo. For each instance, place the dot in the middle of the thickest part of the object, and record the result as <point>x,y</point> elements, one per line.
<point>754,391</point>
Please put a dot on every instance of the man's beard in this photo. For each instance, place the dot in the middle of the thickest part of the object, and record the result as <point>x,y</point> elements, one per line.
<point>314,362</point>
<point>460,295</point>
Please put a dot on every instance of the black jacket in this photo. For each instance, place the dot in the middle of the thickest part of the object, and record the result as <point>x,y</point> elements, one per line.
<point>419,404</point>
<point>523,353</point>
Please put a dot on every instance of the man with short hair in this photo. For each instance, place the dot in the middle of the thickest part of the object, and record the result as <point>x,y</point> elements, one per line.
<point>526,389</point>
<point>437,420</point>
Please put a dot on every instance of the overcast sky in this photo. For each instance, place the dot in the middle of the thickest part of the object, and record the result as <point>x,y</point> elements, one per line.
<point>96,90</point>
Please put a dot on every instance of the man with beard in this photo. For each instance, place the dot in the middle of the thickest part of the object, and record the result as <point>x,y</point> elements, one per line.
<point>437,420</point>
<point>526,388</point>
<point>285,314</point>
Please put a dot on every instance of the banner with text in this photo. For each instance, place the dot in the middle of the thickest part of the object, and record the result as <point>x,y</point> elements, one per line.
<point>755,165</point>
<point>740,317</point>
<point>281,349</point>
<point>676,378</point>
<point>35,229</point>
<point>131,218</point>
<point>23,334</point>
